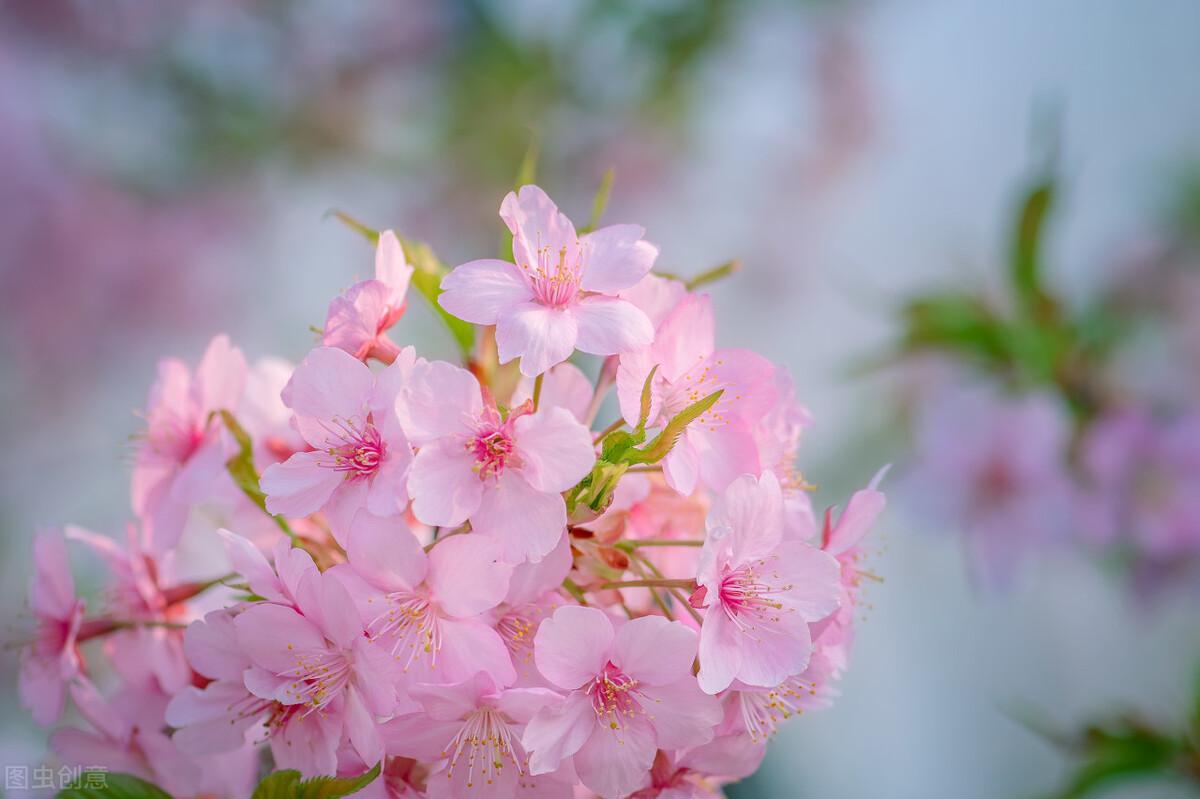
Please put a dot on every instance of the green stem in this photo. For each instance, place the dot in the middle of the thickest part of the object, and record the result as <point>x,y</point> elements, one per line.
<point>655,583</point>
<point>634,543</point>
<point>617,425</point>
<point>537,391</point>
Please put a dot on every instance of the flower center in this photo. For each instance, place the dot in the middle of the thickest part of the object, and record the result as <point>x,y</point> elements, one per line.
<point>354,447</point>
<point>487,744</point>
<point>555,281</point>
<point>494,450</point>
<point>318,677</point>
<point>764,711</point>
<point>411,623</point>
<point>614,696</point>
<point>517,628</point>
<point>746,595</point>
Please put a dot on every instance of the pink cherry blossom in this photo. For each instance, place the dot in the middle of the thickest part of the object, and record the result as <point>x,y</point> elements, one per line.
<point>534,593</point>
<point>318,659</point>
<point>360,456</point>
<point>51,661</point>
<point>559,293</point>
<point>183,449</point>
<point>474,727</point>
<point>265,417</point>
<point>993,467</point>
<point>358,320</point>
<point>630,691</point>
<point>759,590</point>
<point>502,474</point>
<point>720,445</point>
<point>137,592</point>
<point>1144,476</point>
<point>425,610</point>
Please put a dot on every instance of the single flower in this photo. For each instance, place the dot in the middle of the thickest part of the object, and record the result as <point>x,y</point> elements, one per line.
<point>51,661</point>
<point>559,294</point>
<point>359,319</point>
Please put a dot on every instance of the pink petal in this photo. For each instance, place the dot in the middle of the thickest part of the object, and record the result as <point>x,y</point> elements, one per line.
<point>616,258</point>
<point>608,326</point>
<point>220,376</point>
<point>526,522</point>
<point>654,651</point>
<point>445,490</point>
<point>274,636</point>
<point>308,743</point>
<point>572,646</point>
<point>300,485</point>
<point>41,688</point>
<point>657,296</point>
<point>632,371</point>
<point>354,319</point>
<point>204,721</point>
<point>438,400</point>
<point>564,386</point>
<point>720,651</point>
<point>683,714</point>
<point>685,338</point>
<point>328,385</point>
<point>681,467</point>
<point>51,588</point>
<point>522,704</point>
<point>556,450</point>
<point>362,729</point>
<point>531,580</point>
<point>557,732</point>
<point>614,763</point>
<point>387,490</point>
<point>341,622</point>
<point>540,336</point>
<point>536,223</point>
<point>248,561</point>
<point>814,577</point>
<point>724,453</point>
<point>470,646</point>
<point>480,291</point>
<point>861,511</point>
<point>750,512</point>
<point>466,575</point>
<point>417,736</point>
<point>385,552</point>
<point>212,647</point>
<point>391,268</point>
<point>452,701</point>
<point>776,652</point>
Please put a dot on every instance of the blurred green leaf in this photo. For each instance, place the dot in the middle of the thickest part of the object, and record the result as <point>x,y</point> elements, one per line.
<point>1026,257</point>
<point>244,473</point>
<point>526,174</point>
<point>713,275</point>
<point>600,201</point>
<point>956,322</point>
<point>111,785</point>
<point>289,785</point>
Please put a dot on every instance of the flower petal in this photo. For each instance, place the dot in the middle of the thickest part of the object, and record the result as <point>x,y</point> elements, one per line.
<point>438,400</point>
<point>572,646</point>
<point>608,326</point>
<point>300,485</point>
<point>614,763</point>
<point>556,450</point>
<point>385,552</point>
<point>526,522</point>
<point>616,257</point>
<point>557,731</point>
<point>537,224</point>
<point>480,291</point>
<point>653,650</point>
<point>328,385</point>
<point>467,576</point>
<point>540,336</point>
<point>445,491</point>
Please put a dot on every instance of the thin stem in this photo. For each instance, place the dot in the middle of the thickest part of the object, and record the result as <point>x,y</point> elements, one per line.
<point>443,537</point>
<point>634,543</point>
<point>654,583</point>
<point>617,425</point>
<point>537,390</point>
<point>678,597</point>
<point>645,469</point>
<point>572,588</point>
<point>184,592</point>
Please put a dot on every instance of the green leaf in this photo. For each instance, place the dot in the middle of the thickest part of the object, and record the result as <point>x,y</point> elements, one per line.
<point>1026,258</point>
<point>289,785</point>
<point>111,785</point>
<point>662,444</point>
<point>428,272</point>
<point>646,399</point>
<point>956,322</point>
<point>716,273</point>
<point>241,468</point>
<point>600,201</point>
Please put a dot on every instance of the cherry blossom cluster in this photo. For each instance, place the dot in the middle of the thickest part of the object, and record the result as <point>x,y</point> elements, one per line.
<point>449,580</point>
<point>1043,425</point>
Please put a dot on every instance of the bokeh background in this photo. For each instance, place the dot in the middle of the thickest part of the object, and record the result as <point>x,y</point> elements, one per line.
<point>166,170</point>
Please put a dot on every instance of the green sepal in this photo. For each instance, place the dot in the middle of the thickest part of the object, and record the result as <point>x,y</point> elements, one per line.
<point>115,785</point>
<point>289,785</point>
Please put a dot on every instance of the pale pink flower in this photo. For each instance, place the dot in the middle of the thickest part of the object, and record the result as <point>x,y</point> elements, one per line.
<point>359,319</point>
<point>534,593</point>
<point>560,294</point>
<point>51,661</point>
<point>994,466</point>
<point>760,590</point>
<point>360,456</point>
<point>1144,476</point>
<point>474,728</point>
<point>698,772</point>
<point>130,736</point>
<point>425,610</point>
<point>720,445</point>
<point>777,433</point>
<point>265,417</point>
<point>630,693</point>
<point>564,386</point>
<point>318,658</point>
<point>136,593</point>
<point>503,474</point>
<point>183,450</point>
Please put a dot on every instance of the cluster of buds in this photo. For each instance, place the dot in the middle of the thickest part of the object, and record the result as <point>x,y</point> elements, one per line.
<point>434,579</point>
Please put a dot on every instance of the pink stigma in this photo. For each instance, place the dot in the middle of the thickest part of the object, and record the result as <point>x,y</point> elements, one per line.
<point>555,283</point>
<point>614,696</point>
<point>746,596</point>
<point>354,447</point>
<point>494,450</point>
